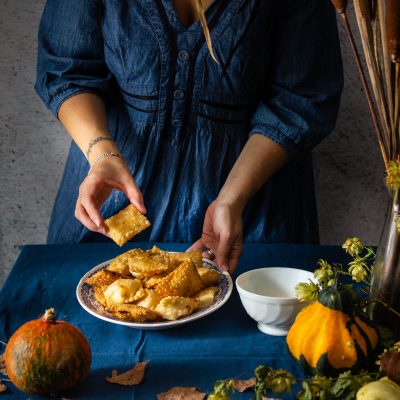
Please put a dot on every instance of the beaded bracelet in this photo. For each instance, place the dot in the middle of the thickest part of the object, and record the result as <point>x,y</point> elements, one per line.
<point>110,154</point>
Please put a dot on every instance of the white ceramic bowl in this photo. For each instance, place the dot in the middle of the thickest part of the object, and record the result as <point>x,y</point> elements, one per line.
<point>268,296</point>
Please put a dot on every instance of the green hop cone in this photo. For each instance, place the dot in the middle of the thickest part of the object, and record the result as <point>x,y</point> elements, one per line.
<point>359,274</point>
<point>282,384</point>
<point>353,246</point>
<point>358,269</point>
<point>306,291</point>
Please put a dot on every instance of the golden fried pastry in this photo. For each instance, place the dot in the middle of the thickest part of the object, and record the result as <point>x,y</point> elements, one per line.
<point>157,252</point>
<point>126,224</point>
<point>150,300</point>
<point>124,291</point>
<point>154,285</point>
<point>208,276</point>
<point>174,307</point>
<point>151,282</point>
<point>143,265</point>
<point>120,264</point>
<point>178,258</point>
<point>99,294</point>
<point>206,296</point>
<point>103,277</point>
<point>132,312</point>
<point>183,281</point>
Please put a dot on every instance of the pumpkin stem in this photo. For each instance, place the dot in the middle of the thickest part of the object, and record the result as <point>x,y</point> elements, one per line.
<point>49,316</point>
<point>336,279</point>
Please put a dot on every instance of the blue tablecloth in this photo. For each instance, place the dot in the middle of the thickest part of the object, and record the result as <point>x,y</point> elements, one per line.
<point>222,345</point>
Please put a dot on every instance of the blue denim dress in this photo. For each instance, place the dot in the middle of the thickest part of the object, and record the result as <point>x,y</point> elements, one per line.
<point>181,120</point>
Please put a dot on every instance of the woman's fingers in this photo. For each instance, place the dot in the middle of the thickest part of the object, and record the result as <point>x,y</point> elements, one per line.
<point>223,251</point>
<point>196,246</point>
<point>135,196</point>
<point>236,252</point>
<point>82,215</point>
<point>228,253</point>
<point>93,212</point>
<point>199,245</point>
<point>98,185</point>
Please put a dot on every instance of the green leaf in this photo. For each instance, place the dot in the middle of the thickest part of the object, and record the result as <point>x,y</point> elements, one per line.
<point>347,385</point>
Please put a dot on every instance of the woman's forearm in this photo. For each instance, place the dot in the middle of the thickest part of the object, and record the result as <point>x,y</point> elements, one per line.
<point>259,159</point>
<point>84,117</point>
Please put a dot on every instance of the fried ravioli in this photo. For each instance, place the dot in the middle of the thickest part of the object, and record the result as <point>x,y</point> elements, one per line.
<point>150,300</point>
<point>206,296</point>
<point>144,266</point>
<point>132,312</point>
<point>174,307</point>
<point>151,282</point>
<point>99,294</point>
<point>208,276</point>
<point>120,264</point>
<point>126,224</point>
<point>184,281</point>
<point>124,291</point>
<point>103,277</point>
<point>154,285</point>
<point>178,258</point>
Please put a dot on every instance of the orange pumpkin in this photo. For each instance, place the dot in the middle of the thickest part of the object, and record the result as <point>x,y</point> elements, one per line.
<point>329,336</point>
<point>47,356</point>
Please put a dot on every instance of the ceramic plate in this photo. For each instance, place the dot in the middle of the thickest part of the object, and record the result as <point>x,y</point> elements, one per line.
<point>87,300</point>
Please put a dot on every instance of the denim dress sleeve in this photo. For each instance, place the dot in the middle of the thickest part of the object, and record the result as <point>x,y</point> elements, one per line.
<point>70,51</point>
<point>304,80</point>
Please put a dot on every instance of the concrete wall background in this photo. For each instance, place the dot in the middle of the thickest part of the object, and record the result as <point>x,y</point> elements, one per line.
<point>348,168</point>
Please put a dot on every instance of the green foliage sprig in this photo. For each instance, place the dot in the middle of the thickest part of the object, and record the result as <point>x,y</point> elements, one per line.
<point>359,269</point>
<point>267,380</point>
<point>344,387</point>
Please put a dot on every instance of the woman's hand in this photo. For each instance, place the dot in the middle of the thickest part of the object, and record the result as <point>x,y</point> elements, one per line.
<point>108,174</point>
<point>222,234</point>
<point>222,230</point>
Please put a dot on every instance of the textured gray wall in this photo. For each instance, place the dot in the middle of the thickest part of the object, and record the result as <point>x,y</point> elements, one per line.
<point>348,167</point>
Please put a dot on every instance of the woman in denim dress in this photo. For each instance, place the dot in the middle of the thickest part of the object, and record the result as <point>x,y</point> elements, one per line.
<point>216,153</point>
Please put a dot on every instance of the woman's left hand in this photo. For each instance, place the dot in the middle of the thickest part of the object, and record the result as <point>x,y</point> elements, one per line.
<point>222,234</point>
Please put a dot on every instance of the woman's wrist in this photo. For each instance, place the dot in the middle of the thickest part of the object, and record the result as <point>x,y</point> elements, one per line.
<point>107,163</point>
<point>233,199</point>
<point>98,146</point>
<point>96,141</point>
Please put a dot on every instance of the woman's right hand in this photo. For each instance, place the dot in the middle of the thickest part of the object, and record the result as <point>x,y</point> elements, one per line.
<point>108,174</point>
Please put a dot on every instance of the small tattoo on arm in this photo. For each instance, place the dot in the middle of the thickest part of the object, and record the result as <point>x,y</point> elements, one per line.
<point>94,142</point>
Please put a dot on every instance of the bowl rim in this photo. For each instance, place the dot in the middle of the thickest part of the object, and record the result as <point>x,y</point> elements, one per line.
<point>259,297</point>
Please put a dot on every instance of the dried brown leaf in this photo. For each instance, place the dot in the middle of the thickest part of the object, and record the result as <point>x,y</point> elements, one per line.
<point>2,365</point>
<point>181,393</point>
<point>131,377</point>
<point>3,387</point>
<point>242,385</point>
<point>390,363</point>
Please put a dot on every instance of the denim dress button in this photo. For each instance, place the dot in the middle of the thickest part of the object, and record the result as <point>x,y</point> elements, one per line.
<point>183,55</point>
<point>178,94</point>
